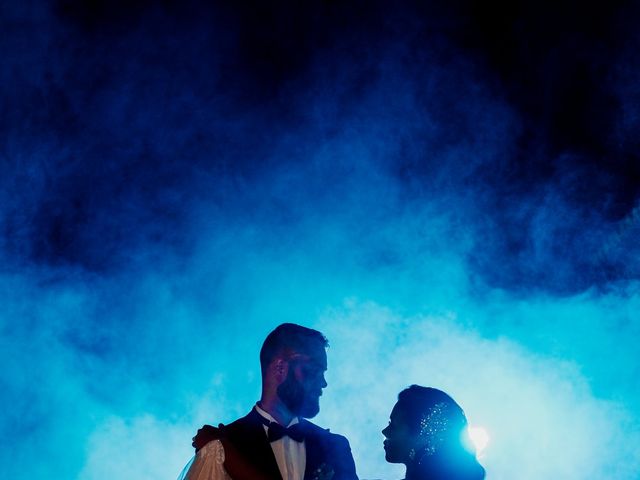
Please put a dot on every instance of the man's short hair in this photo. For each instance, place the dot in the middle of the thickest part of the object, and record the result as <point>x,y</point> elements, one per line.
<point>290,338</point>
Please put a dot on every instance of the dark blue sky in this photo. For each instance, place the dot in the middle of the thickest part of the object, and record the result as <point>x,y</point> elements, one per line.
<point>179,177</point>
<point>156,96</point>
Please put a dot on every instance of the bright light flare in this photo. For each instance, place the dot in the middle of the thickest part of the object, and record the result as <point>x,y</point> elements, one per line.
<point>480,439</point>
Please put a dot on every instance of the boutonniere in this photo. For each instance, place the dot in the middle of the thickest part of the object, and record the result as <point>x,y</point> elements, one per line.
<point>323,472</point>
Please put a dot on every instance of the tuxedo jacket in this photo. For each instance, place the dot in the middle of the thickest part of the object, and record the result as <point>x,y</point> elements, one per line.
<point>324,450</point>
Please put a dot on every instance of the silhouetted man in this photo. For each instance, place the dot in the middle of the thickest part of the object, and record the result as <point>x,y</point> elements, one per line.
<point>274,441</point>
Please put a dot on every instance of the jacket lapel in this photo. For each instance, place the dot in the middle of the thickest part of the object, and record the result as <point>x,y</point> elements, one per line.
<point>315,451</point>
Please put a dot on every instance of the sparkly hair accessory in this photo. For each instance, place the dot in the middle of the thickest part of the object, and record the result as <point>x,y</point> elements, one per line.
<point>433,424</point>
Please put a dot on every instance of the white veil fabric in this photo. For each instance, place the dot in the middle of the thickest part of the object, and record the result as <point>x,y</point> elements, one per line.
<point>183,474</point>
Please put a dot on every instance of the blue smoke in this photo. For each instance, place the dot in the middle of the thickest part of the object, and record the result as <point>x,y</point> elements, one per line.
<point>176,183</point>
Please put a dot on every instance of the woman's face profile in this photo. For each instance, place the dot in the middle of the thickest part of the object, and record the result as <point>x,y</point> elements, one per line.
<point>398,438</point>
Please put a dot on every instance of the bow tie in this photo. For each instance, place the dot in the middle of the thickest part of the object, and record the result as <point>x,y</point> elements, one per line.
<point>276,431</point>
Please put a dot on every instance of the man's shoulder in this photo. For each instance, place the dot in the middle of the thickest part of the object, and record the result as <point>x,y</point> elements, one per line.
<point>313,428</point>
<point>242,423</point>
<point>317,430</point>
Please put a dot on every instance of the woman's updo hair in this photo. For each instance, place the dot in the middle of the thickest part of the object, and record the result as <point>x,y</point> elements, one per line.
<point>440,425</point>
<point>418,402</point>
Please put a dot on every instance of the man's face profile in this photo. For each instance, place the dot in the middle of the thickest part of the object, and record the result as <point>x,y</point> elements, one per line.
<point>302,388</point>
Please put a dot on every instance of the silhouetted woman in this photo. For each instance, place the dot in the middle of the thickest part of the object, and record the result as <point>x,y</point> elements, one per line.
<point>428,433</point>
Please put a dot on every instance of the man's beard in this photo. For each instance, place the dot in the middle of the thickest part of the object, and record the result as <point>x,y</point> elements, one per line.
<point>296,399</point>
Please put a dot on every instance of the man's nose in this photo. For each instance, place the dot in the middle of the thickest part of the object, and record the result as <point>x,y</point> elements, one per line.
<point>323,382</point>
